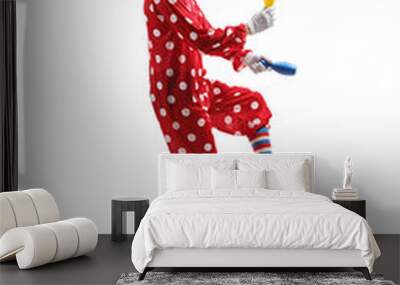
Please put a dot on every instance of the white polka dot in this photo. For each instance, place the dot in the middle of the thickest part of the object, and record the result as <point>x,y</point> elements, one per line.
<point>161,18</point>
<point>152,71</point>
<point>238,133</point>
<point>217,91</point>
<point>238,40</point>
<point>237,108</point>
<point>193,36</point>
<point>153,97</point>
<point>200,72</point>
<point>150,44</point>
<point>171,99</point>
<point>191,137</point>
<point>229,32</point>
<point>211,32</point>
<point>182,150</point>
<point>151,8</point>
<point>169,45</point>
<point>183,86</point>
<point>182,58</point>
<point>176,126</point>
<point>156,33</point>
<point>207,147</point>
<point>173,18</point>
<point>201,122</point>
<point>255,105</point>
<point>180,36</point>
<point>237,94</point>
<point>189,20</point>
<point>193,72</point>
<point>159,85</point>
<point>256,121</point>
<point>158,58</point>
<point>227,50</point>
<point>163,112</point>
<point>196,86</point>
<point>250,125</point>
<point>157,2</point>
<point>217,45</point>
<point>167,139</point>
<point>169,72</point>
<point>185,112</point>
<point>228,120</point>
<point>194,100</point>
<point>173,2</point>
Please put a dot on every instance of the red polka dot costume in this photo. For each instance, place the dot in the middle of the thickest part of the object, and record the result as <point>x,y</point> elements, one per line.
<point>187,104</point>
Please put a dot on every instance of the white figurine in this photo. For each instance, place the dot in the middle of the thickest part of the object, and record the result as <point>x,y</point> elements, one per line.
<point>348,173</point>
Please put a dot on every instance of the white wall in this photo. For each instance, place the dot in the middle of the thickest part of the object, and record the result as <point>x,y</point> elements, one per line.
<point>87,128</point>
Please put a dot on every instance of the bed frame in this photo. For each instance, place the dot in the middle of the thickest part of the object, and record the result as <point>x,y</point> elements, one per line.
<point>256,260</point>
<point>250,259</point>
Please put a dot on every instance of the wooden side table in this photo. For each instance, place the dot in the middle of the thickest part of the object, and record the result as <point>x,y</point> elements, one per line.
<point>119,207</point>
<point>356,206</point>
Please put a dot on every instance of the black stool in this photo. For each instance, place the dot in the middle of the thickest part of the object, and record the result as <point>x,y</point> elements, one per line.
<point>119,207</point>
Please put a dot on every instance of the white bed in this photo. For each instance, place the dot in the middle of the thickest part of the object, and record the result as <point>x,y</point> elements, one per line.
<point>248,227</point>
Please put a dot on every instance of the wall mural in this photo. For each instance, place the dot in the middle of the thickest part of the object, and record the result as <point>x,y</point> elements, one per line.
<point>188,104</point>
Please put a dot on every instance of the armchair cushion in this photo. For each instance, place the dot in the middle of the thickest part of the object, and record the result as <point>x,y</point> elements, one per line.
<point>41,244</point>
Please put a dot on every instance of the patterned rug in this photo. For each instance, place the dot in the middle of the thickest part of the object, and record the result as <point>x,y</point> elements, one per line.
<point>253,278</point>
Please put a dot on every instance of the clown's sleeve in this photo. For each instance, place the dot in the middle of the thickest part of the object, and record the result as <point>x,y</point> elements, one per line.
<point>186,19</point>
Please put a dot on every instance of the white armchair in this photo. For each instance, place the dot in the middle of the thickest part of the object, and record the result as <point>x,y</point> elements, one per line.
<point>31,230</point>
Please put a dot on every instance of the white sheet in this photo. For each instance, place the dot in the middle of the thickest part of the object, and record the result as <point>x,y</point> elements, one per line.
<point>251,218</point>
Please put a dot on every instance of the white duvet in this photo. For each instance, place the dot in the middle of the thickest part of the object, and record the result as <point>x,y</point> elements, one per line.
<point>250,219</point>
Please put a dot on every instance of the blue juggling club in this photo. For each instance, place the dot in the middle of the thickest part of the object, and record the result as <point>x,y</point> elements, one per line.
<point>284,68</point>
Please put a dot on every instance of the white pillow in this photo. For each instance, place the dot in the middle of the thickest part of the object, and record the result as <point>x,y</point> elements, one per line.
<point>282,174</point>
<point>291,178</point>
<point>188,177</point>
<point>251,179</point>
<point>223,179</point>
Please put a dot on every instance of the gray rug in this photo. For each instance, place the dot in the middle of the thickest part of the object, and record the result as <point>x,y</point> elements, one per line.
<point>269,278</point>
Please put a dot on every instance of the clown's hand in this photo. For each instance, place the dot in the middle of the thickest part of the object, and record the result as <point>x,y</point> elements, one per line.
<point>253,61</point>
<point>261,21</point>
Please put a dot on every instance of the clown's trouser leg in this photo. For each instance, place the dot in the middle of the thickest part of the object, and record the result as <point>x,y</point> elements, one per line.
<point>188,118</point>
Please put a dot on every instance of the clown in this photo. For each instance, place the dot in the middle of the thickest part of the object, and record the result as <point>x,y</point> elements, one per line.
<point>186,103</point>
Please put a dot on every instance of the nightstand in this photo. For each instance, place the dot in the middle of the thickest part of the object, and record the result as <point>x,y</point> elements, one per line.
<point>119,208</point>
<point>357,206</point>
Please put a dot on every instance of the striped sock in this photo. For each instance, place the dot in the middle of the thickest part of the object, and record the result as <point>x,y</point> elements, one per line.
<point>260,141</point>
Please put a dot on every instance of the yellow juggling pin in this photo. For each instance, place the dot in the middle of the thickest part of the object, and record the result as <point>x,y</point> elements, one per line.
<point>269,3</point>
